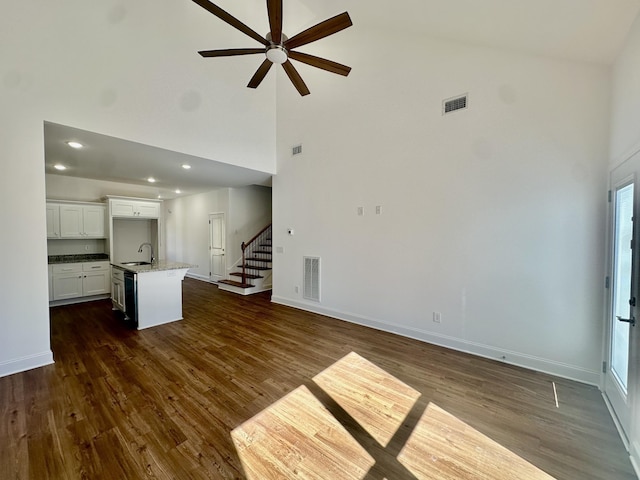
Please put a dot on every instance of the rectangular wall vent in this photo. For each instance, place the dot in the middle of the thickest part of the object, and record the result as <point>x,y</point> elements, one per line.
<point>311,279</point>
<point>453,104</point>
<point>297,150</point>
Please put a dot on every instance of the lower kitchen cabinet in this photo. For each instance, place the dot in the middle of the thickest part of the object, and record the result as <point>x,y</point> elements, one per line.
<point>76,280</point>
<point>117,289</point>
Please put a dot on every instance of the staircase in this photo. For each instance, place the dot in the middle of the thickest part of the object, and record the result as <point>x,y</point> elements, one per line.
<point>253,271</point>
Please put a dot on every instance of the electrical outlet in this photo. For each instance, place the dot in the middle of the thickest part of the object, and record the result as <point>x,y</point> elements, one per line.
<point>378,209</point>
<point>437,317</point>
<point>360,211</point>
<point>86,247</point>
<point>297,289</point>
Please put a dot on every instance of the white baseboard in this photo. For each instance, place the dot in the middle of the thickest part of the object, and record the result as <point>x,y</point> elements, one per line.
<point>23,364</point>
<point>73,301</point>
<point>202,278</point>
<point>530,362</point>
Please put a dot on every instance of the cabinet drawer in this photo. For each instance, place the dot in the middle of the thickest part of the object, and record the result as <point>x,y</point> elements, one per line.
<point>67,268</point>
<point>117,274</point>
<point>95,266</point>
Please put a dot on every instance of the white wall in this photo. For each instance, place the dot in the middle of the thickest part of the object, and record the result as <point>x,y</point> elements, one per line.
<point>625,102</point>
<point>493,216</point>
<point>250,212</point>
<point>112,69</point>
<point>187,227</point>
<point>246,210</point>
<point>625,141</point>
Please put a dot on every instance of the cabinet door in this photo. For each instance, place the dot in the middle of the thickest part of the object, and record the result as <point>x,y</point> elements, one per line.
<point>71,221</point>
<point>93,221</point>
<point>50,282</point>
<point>117,293</point>
<point>53,221</point>
<point>122,208</point>
<point>67,285</point>
<point>147,209</point>
<point>96,283</point>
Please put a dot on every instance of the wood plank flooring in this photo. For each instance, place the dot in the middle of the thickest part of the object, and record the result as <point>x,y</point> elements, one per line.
<point>245,389</point>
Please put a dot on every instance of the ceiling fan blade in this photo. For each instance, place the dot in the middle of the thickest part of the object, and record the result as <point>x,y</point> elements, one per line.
<point>231,20</point>
<point>230,52</point>
<point>295,78</point>
<point>274,7</point>
<point>260,74</point>
<point>322,63</point>
<point>321,30</point>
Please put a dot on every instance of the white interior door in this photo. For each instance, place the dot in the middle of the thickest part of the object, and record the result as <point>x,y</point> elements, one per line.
<point>620,372</point>
<point>217,247</point>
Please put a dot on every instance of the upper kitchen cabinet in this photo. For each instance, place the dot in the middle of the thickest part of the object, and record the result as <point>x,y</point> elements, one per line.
<point>53,220</point>
<point>131,208</point>
<point>75,220</point>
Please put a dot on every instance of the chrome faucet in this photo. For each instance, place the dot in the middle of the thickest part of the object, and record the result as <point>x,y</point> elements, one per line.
<point>153,259</point>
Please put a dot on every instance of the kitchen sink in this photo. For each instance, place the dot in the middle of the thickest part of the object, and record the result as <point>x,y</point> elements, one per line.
<point>135,264</point>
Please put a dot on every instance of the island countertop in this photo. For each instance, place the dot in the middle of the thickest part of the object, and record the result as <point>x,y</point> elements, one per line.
<point>157,266</point>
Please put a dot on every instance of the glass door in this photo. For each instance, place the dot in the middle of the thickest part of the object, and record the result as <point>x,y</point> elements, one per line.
<point>622,289</point>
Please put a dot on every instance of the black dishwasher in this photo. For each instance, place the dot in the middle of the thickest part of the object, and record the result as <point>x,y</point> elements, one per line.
<point>131,297</point>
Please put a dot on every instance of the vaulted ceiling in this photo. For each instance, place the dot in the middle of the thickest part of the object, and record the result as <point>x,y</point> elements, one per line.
<point>576,30</point>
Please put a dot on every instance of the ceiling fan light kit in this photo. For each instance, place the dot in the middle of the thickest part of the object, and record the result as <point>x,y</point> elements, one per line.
<point>277,47</point>
<point>277,54</point>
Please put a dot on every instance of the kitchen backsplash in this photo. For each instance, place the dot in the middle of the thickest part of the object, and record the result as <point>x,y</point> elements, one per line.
<point>75,247</point>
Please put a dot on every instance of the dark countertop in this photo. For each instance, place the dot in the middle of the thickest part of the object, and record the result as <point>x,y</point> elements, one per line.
<point>86,257</point>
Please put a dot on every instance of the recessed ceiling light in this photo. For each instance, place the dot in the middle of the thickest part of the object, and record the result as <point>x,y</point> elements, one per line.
<point>75,144</point>
<point>186,166</point>
<point>159,196</point>
<point>151,180</point>
<point>59,166</point>
<point>178,191</point>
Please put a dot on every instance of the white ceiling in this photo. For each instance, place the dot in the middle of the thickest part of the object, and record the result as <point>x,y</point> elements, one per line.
<point>113,159</point>
<point>580,30</point>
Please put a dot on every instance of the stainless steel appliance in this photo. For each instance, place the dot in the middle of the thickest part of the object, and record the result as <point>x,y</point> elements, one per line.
<point>131,297</point>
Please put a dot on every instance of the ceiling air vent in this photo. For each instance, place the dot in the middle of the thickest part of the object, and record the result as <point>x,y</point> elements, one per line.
<point>297,150</point>
<point>311,279</point>
<point>453,104</point>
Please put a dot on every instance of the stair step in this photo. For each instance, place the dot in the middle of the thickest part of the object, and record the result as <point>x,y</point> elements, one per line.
<point>254,267</point>
<point>246,275</point>
<point>258,259</point>
<point>236,284</point>
<point>269,252</point>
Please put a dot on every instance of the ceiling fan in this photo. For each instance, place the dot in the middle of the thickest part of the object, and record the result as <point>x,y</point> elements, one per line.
<point>277,47</point>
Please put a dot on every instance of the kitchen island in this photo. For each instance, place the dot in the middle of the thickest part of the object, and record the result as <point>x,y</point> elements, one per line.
<point>149,294</point>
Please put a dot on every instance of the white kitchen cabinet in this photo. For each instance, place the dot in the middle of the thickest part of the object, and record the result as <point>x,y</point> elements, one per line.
<point>134,208</point>
<point>50,283</point>
<point>95,278</point>
<point>117,289</point>
<point>82,221</point>
<point>67,281</point>
<point>75,280</point>
<point>53,220</point>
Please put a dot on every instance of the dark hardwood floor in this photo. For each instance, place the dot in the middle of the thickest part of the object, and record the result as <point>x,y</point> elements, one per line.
<point>242,388</point>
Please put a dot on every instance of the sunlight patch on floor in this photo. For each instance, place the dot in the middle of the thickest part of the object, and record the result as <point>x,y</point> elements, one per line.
<point>379,402</point>
<point>298,437</point>
<point>441,446</point>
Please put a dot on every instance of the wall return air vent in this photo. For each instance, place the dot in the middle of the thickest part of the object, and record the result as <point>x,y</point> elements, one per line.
<point>456,103</point>
<point>311,279</point>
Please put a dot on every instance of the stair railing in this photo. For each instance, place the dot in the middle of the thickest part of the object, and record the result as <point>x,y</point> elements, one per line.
<point>261,238</point>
